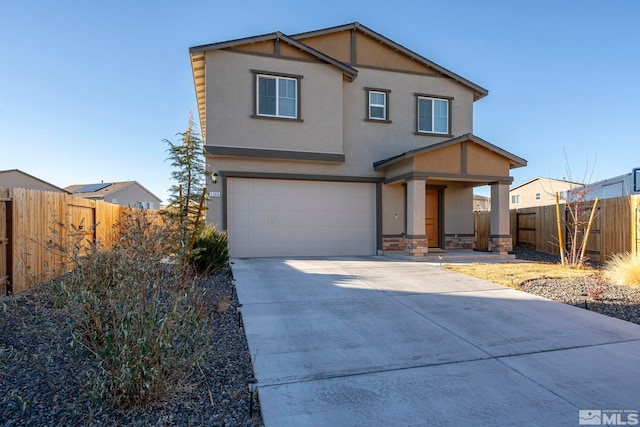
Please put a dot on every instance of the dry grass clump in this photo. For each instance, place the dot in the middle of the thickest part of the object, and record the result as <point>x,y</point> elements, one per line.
<point>513,274</point>
<point>134,315</point>
<point>624,269</point>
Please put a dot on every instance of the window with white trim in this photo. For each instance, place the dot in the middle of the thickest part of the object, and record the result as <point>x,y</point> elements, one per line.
<point>538,196</point>
<point>377,105</point>
<point>276,96</point>
<point>433,115</point>
<point>515,199</point>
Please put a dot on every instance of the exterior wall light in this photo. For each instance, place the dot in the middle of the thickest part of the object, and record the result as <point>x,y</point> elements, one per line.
<point>214,178</point>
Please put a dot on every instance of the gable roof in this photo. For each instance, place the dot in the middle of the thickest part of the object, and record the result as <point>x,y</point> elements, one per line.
<point>479,91</point>
<point>515,161</point>
<point>197,56</point>
<point>538,178</point>
<point>29,176</point>
<point>103,189</point>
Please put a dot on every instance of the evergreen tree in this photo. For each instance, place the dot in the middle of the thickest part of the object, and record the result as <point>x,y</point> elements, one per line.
<point>189,174</point>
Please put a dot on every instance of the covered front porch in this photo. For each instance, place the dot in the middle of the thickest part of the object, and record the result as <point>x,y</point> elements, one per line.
<point>427,196</point>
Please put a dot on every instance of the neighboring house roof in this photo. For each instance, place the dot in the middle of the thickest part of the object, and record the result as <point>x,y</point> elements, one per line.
<point>539,178</point>
<point>29,176</point>
<point>197,54</point>
<point>102,189</point>
<point>515,161</point>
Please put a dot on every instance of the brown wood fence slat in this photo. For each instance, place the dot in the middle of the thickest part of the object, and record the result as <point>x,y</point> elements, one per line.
<point>44,226</point>
<point>4,240</point>
<point>482,224</point>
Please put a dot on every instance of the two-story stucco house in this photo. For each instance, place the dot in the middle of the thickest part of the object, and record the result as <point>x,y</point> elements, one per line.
<point>343,142</point>
<point>540,192</point>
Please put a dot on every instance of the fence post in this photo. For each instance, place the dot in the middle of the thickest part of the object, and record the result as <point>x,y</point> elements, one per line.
<point>635,223</point>
<point>5,249</point>
<point>560,242</point>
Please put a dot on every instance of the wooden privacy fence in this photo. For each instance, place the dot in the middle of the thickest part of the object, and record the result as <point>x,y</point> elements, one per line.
<point>40,227</point>
<point>616,228</point>
<point>5,225</point>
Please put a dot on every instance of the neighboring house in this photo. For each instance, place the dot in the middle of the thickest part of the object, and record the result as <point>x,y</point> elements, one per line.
<point>126,193</point>
<point>16,178</point>
<point>540,192</point>
<point>481,203</point>
<point>619,186</point>
<point>343,142</point>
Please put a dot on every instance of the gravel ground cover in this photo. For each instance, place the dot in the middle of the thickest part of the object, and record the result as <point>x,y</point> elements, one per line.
<point>591,293</point>
<point>43,381</point>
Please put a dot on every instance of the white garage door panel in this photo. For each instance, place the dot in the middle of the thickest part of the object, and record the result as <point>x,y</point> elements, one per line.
<point>300,218</point>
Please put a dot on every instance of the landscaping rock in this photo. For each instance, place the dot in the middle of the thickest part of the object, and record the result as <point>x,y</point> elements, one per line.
<point>591,293</point>
<point>44,382</point>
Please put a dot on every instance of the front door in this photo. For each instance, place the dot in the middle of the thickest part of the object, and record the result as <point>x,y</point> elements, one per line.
<point>431,218</point>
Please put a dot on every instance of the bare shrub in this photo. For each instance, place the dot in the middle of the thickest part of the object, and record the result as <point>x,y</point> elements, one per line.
<point>134,314</point>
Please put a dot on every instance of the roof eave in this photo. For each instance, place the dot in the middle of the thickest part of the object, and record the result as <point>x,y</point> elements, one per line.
<point>199,87</point>
<point>232,43</point>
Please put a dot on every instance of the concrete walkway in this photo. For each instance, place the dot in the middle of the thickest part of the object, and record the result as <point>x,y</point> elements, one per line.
<point>377,342</point>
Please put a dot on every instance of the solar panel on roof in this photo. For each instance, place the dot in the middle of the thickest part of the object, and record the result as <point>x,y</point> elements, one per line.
<point>93,187</point>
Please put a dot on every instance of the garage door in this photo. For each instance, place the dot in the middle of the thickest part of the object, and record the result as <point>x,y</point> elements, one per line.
<point>300,218</point>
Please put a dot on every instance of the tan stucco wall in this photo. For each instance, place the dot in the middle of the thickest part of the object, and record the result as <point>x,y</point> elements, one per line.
<point>457,211</point>
<point>448,159</point>
<point>259,47</point>
<point>393,209</point>
<point>481,161</point>
<point>336,45</point>
<point>373,53</point>
<point>293,52</point>
<point>231,102</point>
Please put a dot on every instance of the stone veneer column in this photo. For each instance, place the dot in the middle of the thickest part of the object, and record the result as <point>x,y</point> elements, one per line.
<point>416,240</point>
<point>500,231</point>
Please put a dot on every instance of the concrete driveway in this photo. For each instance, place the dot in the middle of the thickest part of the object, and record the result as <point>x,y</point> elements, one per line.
<point>376,342</point>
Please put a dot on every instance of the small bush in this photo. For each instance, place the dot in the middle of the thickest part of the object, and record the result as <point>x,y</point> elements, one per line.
<point>210,251</point>
<point>624,269</point>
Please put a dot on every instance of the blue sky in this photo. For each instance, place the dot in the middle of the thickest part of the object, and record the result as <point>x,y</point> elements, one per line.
<point>88,90</point>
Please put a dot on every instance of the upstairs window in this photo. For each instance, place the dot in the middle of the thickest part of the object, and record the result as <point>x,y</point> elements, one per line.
<point>433,115</point>
<point>538,196</point>
<point>378,104</point>
<point>276,96</point>
<point>515,199</point>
